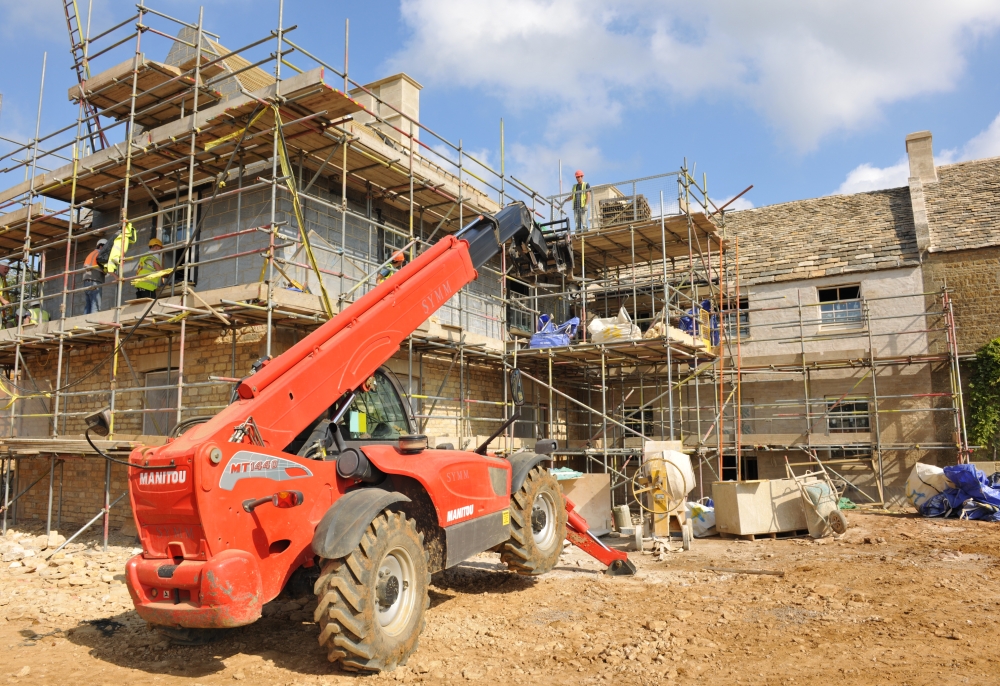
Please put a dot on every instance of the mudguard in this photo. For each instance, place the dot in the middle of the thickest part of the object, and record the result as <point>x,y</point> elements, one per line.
<point>520,465</point>
<point>343,525</point>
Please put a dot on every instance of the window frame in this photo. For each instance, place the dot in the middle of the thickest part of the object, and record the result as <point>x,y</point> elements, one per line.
<point>169,411</point>
<point>743,314</point>
<point>833,317</point>
<point>845,409</point>
<point>172,253</point>
<point>639,420</point>
<point>392,388</point>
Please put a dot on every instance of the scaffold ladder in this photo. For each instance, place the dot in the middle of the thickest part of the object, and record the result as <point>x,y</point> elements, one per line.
<point>78,48</point>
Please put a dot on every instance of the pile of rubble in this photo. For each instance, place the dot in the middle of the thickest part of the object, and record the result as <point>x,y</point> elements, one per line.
<point>76,582</point>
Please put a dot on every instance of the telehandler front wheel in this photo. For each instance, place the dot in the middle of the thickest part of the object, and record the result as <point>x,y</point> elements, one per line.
<point>372,602</point>
<point>537,525</point>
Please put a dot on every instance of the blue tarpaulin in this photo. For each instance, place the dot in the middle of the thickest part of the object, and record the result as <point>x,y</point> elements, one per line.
<point>550,336</point>
<point>973,497</point>
<point>691,323</point>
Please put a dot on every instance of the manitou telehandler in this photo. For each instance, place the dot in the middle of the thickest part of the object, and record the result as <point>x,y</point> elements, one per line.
<point>316,464</point>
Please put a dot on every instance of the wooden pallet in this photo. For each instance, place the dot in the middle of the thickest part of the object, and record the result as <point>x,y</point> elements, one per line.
<point>624,210</point>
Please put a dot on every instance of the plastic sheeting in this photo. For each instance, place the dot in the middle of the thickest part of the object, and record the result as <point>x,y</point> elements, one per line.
<point>551,336</point>
<point>972,496</point>
<point>691,322</point>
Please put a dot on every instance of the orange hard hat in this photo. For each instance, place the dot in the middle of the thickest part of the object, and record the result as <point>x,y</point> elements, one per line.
<point>398,256</point>
<point>579,172</point>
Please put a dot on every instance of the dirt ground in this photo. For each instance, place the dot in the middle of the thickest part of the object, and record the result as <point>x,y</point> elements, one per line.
<point>898,600</point>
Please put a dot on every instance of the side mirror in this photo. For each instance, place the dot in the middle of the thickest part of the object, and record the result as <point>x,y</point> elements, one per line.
<point>516,389</point>
<point>99,422</point>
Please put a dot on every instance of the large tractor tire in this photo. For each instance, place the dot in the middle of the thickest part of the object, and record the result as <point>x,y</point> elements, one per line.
<point>372,602</point>
<point>537,525</point>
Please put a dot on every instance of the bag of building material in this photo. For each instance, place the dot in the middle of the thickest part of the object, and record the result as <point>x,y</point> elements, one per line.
<point>702,519</point>
<point>925,482</point>
<point>611,329</point>
<point>658,328</point>
<point>548,335</point>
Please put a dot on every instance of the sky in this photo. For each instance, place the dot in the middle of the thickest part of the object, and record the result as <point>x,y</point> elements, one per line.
<point>799,98</point>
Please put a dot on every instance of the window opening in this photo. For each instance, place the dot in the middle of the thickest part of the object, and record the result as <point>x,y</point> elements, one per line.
<point>850,415</point>
<point>840,305</point>
<point>376,413</point>
<point>641,421</point>
<point>742,316</point>
<point>161,398</point>
<point>525,426</point>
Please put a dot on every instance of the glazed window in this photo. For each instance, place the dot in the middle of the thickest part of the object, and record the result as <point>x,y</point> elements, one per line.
<point>376,413</point>
<point>848,415</point>
<point>840,304</point>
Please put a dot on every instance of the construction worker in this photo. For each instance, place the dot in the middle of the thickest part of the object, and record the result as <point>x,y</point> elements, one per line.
<point>120,246</point>
<point>581,195</point>
<point>397,262</point>
<point>149,264</point>
<point>34,315</point>
<point>7,283</point>
<point>93,279</point>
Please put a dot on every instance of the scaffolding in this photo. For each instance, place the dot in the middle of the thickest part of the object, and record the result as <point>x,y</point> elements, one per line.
<point>282,187</point>
<point>327,178</point>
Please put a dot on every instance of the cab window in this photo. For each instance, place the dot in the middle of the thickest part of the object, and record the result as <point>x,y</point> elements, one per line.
<point>377,413</point>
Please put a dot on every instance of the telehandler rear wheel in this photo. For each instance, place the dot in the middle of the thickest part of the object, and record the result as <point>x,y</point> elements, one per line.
<point>537,525</point>
<point>372,602</point>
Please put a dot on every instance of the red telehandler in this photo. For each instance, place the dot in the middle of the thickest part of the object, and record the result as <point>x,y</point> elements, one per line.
<point>316,464</point>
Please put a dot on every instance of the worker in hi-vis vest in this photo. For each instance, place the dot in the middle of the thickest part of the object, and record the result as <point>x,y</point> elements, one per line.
<point>33,315</point>
<point>397,262</point>
<point>93,279</point>
<point>123,241</point>
<point>145,287</point>
<point>581,196</point>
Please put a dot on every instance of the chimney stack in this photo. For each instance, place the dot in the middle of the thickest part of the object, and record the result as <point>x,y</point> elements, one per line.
<point>402,95</point>
<point>921,154</point>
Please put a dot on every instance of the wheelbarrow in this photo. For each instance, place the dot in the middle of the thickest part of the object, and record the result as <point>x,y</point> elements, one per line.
<point>819,500</point>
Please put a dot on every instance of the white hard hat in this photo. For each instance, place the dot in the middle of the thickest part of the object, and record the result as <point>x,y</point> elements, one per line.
<point>102,241</point>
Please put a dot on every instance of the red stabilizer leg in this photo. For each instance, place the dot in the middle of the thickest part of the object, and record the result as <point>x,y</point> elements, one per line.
<point>578,533</point>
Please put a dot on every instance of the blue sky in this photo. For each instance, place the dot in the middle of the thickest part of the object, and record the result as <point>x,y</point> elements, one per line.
<point>801,99</point>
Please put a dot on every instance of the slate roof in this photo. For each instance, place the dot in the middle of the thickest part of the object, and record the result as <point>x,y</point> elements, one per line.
<point>842,234</point>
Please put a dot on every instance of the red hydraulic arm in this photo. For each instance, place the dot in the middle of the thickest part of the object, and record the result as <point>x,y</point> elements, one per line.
<point>578,533</point>
<point>289,392</point>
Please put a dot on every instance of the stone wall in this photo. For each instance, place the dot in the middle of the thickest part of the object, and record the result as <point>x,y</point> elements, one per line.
<point>80,482</point>
<point>973,276</point>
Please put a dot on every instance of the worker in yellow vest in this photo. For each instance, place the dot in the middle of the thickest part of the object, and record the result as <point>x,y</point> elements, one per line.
<point>397,262</point>
<point>146,285</point>
<point>8,286</point>
<point>33,315</point>
<point>120,246</point>
<point>581,196</point>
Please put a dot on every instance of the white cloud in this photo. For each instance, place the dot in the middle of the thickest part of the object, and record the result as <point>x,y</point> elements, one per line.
<point>866,177</point>
<point>985,144</point>
<point>811,68</point>
<point>741,203</point>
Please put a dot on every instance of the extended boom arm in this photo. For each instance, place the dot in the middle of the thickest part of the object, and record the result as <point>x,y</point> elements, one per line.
<point>290,391</point>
